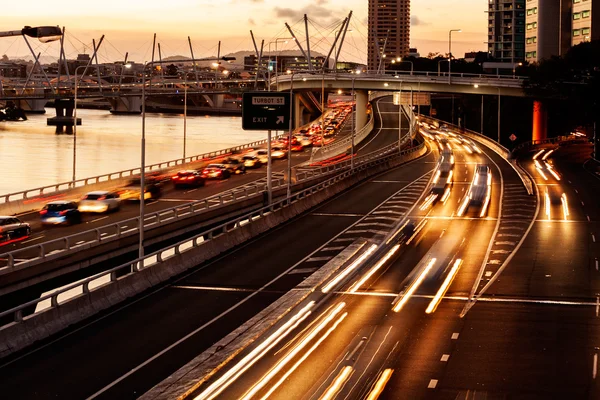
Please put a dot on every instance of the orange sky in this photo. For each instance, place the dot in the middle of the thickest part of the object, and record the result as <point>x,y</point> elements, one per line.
<point>130,24</point>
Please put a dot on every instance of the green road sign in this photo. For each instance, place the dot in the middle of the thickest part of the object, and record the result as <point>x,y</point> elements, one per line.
<point>262,111</point>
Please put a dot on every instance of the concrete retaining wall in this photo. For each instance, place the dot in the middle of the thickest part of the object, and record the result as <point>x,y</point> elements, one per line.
<point>17,336</point>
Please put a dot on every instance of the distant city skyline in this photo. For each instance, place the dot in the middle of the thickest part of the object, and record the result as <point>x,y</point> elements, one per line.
<point>129,26</point>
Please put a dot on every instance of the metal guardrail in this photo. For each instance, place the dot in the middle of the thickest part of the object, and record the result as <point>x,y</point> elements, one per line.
<point>59,187</point>
<point>553,140</point>
<point>43,252</point>
<point>86,286</point>
<point>341,146</point>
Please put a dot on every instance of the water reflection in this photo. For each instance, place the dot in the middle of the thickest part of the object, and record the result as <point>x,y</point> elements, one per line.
<point>33,155</point>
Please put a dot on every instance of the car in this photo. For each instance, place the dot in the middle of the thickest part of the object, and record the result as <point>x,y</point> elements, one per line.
<point>305,141</point>
<point>251,161</point>
<point>262,154</point>
<point>235,165</point>
<point>216,171</point>
<point>99,202</point>
<point>60,212</point>
<point>278,152</point>
<point>13,229</point>
<point>132,191</point>
<point>188,178</point>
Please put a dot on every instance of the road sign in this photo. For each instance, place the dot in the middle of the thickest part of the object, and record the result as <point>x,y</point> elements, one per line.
<point>262,111</point>
<point>512,137</point>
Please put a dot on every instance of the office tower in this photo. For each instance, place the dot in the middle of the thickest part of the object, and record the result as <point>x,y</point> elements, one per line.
<point>389,32</point>
<point>506,30</point>
<point>585,21</point>
<point>547,28</point>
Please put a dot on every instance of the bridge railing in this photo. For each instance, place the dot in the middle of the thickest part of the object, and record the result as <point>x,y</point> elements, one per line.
<point>86,286</point>
<point>31,199</point>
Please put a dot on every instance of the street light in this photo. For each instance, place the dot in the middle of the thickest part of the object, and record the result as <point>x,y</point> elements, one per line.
<point>515,65</point>
<point>440,61</point>
<point>400,61</point>
<point>43,33</point>
<point>277,40</point>
<point>143,141</point>
<point>450,53</point>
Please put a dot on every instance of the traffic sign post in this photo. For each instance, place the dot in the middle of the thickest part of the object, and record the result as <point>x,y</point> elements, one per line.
<point>512,137</point>
<point>266,111</point>
<point>263,111</point>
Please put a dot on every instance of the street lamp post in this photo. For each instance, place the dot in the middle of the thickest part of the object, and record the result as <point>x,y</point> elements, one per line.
<point>277,40</point>
<point>400,61</point>
<point>43,33</point>
<point>450,53</point>
<point>143,144</point>
<point>184,112</point>
<point>289,149</point>
<point>515,68</point>
<point>353,119</point>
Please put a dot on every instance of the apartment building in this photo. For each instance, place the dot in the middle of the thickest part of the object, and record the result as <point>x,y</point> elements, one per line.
<point>506,30</point>
<point>389,31</point>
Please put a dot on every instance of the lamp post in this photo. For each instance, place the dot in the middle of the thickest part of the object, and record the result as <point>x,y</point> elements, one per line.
<point>353,127</point>
<point>184,112</point>
<point>440,61</point>
<point>143,143</point>
<point>291,127</point>
<point>43,33</point>
<point>515,65</point>
<point>277,40</point>
<point>450,53</point>
<point>400,61</point>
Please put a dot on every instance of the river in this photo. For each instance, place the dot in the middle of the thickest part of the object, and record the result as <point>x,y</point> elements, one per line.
<point>32,155</point>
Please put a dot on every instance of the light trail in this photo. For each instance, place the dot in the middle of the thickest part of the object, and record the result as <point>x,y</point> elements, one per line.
<point>304,357</point>
<point>444,288</point>
<point>337,384</point>
<point>488,196</point>
<point>539,153</point>
<point>446,196</point>
<point>398,231</point>
<point>428,202</point>
<point>417,230</point>
<point>414,286</point>
<point>547,154</point>
<point>250,359</point>
<point>294,351</point>
<point>540,170</point>
<point>463,205</point>
<point>551,170</point>
<point>380,385</point>
<point>468,149</point>
<point>547,204</point>
<point>349,269</point>
<point>375,268</point>
<point>565,205</point>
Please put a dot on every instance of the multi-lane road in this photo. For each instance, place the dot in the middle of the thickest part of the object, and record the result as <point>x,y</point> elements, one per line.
<point>126,351</point>
<point>519,318</point>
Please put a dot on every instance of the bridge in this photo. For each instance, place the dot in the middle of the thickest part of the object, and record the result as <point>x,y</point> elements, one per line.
<point>349,265</point>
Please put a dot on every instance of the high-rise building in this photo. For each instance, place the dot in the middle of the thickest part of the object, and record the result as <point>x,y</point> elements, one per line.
<point>506,30</point>
<point>554,26</point>
<point>585,21</point>
<point>389,31</point>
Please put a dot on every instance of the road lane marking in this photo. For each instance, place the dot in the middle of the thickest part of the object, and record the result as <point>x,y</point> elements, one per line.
<point>588,218</point>
<point>445,357</point>
<point>98,219</point>
<point>596,264</point>
<point>582,203</point>
<point>593,238</point>
<point>338,215</point>
<point>432,384</point>
<point>595,366</point>
<point>597,305</point>
<point>455,336</point>
<point>34,239</point>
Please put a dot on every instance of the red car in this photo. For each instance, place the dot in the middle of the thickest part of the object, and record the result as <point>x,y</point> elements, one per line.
<point>188,178</point>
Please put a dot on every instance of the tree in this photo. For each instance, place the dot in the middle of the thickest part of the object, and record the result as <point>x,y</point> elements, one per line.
<point>569,86</point>
<point>4,58</point>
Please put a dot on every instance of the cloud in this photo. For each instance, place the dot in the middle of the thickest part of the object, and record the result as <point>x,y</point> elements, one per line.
<point>325,15</point>
<point>416,21</point>
<point>251,22</point>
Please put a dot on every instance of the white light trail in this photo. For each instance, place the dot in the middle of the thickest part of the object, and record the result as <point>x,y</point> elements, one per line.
<point>463,205</point>
<point>380,385</point>
<point>294,352</point>
<point>551,170</point>
<point>250,359</point>
<point>417,230</point>
<point>444,288</point>
<point>337,384</point>
<point>414,286</point>
<point>375,268</point>
<point>565,205</point>
<point>468,149</point>
<point>547,154</point>
<point>349,269</point>
<point>539,153</point>
<point>446,195</point>
<point>304,357</point>
<point>547,204</point>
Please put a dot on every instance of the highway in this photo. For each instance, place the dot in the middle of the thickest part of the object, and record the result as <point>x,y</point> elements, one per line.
<point>533,332</point>
<point>171,198</point>
<point>129,349</point>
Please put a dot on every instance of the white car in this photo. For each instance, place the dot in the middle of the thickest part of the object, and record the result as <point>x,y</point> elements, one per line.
<point>305,141</point>
<point>262,154</point>
<point>99,202</point>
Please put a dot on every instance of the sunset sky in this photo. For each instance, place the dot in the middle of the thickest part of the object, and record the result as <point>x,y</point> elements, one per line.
<point>130,24</point>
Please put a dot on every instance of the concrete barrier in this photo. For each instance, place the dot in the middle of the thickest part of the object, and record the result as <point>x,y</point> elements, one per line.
<point>29,329</point>
<point>188,378</point>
